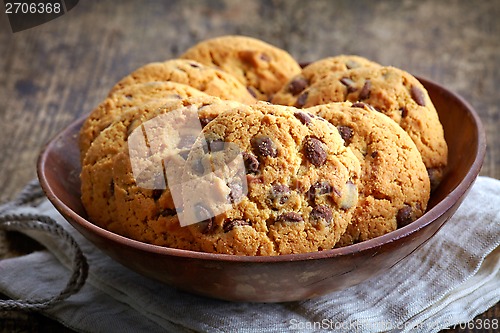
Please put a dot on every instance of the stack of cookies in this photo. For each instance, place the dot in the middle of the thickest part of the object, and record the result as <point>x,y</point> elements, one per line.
<point>280,159</point>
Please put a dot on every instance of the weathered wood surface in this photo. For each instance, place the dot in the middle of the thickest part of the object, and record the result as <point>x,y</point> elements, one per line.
<point>59,71</point>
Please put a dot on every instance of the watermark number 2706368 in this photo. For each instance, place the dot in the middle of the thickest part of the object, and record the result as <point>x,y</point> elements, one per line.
<point>26,14</point>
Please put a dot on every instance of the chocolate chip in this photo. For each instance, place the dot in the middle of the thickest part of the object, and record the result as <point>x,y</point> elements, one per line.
<point>279,192</point>
<point>205,120</point>
<point>251,163</point>
<point>374,154</point>
<point>128,96</point>
<point>346,133</point>
<point>252,92</point>
<point>371,107</point>
<point>321,212</point>
<point>314,151</point>
<point>215,145</point>
<point>418,95</point>
<point>434,177</point>
<point>231,224</point>
<point>304,118</point>
<point>236,192</point>
<point>202,213</point>
<point>297,85</point>
<point>197,167</point>
<point>404,112</point>
<point>350,84</point>
<point>318,189</point>
<point>184,154</point>
<point>290,217</point>
<point>194,65</point>
<point>205,217</point>
<point>280,189</point>
<point>404,216</point>
<point>365,91</point>
<point>168,212</point>
<point>358,105</point>
<point>350,64</point>
<point>251,179</point>
<point>265,57</point>
<point>112,187</point>
<point>302,99</point>
<point>264,146</point>
<point>156,193</point>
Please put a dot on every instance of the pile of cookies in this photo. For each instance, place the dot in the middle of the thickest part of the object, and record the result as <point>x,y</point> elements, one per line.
<point>335,153</point>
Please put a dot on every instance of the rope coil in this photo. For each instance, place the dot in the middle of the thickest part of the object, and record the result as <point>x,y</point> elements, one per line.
<point>23,222</point>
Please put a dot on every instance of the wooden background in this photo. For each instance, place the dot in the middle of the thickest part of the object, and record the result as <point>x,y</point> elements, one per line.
<point>56,72</point>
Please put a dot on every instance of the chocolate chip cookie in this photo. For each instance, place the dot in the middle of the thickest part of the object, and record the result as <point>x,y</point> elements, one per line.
<point>396,94</point>
<point>316,71</point>
<point>129,96</point>
<point>294,192</point>
<point>210,80</point>
<point>122,180</point>
<point>261,67</point>
<point>394,187</point>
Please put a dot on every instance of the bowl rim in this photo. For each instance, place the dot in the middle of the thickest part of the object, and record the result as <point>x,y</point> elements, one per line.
<point>435,212</point>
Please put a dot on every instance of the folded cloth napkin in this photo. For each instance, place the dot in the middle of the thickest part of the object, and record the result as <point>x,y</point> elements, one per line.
<point>449,280</point>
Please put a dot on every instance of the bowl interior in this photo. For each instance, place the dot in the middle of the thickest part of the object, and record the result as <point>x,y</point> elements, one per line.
<point>466,140</point>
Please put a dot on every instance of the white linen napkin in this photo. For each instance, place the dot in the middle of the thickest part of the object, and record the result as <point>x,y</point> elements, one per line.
<point>449,280</point>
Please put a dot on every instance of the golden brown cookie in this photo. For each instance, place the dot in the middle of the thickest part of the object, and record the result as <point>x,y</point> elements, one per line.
<point>394,186</point>
<point>114,192</point>
<point>261,67</point>
<point>300,186</point>
<point>208,79</point>
<point>396,94</point>
<point>316,71</point>
<point>129,96</point>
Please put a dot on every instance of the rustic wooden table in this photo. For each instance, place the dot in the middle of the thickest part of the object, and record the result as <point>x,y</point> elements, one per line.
<point>58,71</point>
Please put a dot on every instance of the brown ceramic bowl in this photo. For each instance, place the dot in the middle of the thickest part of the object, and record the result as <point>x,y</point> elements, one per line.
<point>275,278</point>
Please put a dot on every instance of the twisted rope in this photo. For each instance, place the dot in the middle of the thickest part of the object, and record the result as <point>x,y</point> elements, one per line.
<point>20,222</point>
